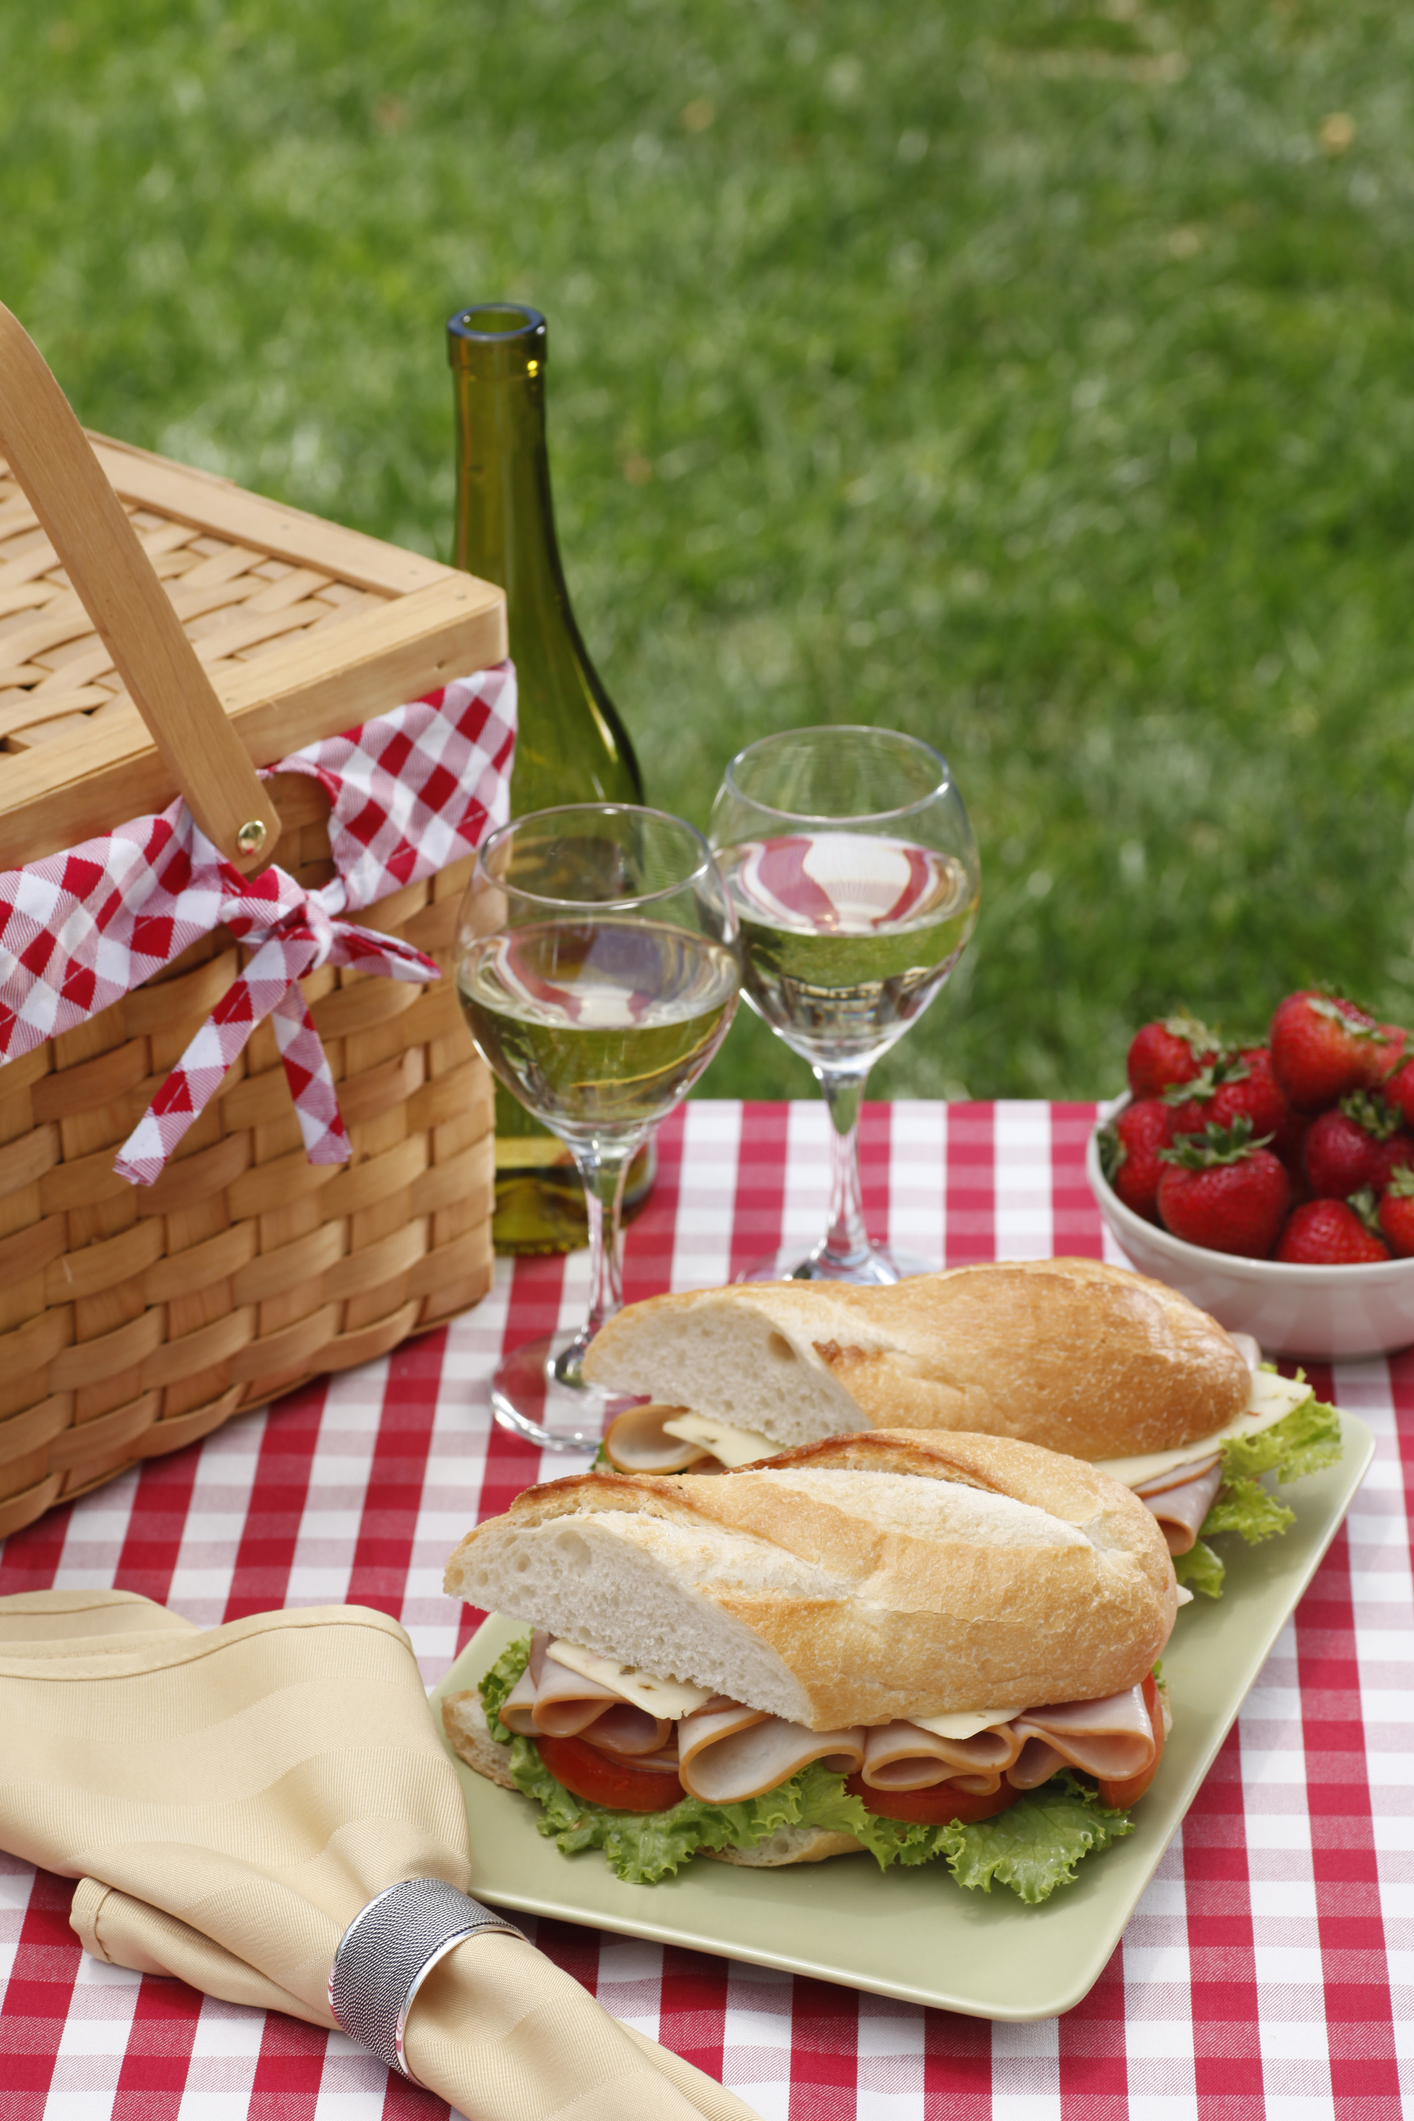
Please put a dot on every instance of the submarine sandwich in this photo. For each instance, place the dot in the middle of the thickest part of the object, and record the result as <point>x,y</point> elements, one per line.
<point>1078,1356</point>
<point>921,1645</point>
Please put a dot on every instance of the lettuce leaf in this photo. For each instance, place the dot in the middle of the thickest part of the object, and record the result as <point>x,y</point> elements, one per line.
<point>1033,1847</point>
<point>501,1681</point>
<point>1244,1506</point>
<point>644,1847</point>
<point>1200,1569</point>
<point>1036,1845</point>
<point>1304,1441</point>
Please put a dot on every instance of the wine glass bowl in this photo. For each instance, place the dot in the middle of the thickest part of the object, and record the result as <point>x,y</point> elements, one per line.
<point>598,970</point>
<point>849,857</point>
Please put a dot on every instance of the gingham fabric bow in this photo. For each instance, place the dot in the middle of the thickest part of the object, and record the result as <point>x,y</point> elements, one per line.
<point>411,791</point>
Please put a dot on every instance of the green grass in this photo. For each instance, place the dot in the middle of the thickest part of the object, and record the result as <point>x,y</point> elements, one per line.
<point>1029,375</point>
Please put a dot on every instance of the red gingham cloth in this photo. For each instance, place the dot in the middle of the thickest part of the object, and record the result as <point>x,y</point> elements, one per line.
<point>411,791</point>
<point>1263,1976</point>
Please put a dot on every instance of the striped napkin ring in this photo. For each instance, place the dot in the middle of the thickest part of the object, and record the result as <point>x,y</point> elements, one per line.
<point>387,1952</point>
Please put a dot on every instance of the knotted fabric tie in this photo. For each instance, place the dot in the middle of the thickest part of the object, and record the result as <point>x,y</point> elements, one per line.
<point>294,934</point>
<point>410,792</point>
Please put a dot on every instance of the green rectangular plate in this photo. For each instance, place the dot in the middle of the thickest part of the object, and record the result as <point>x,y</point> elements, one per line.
<point>915,1934</point>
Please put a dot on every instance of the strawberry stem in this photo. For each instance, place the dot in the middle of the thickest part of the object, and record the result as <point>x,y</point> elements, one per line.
<point>1215,1145</point>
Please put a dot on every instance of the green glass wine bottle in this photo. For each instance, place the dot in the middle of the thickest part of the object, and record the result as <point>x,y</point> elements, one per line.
<point>571,746</point>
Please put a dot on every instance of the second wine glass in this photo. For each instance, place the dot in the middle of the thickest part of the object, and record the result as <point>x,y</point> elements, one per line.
<point>598,970</point>
<point>849,857</point>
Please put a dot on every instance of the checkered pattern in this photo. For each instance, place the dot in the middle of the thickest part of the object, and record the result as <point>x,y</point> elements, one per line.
<point>1265,1975</point>
<point>411,792</point>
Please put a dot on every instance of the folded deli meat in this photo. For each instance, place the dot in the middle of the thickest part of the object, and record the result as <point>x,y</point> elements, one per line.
<point>1083,1358</point>
<point>723,1752</point>
<point>959,1615</point>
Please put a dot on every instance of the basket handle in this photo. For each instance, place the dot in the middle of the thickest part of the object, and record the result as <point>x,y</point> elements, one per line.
<point>50,455</point>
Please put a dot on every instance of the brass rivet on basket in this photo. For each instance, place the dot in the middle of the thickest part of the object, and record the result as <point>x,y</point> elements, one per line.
<point>251,837</point>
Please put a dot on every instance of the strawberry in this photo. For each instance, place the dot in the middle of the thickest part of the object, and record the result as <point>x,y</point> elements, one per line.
<point>1349,1146</point>
<point>1396,1214</point>
<point>1173,1049</point>
<point>1399,1089</point>
<point>1230,1088</point>
<point>1328,1233</point>
<point>1258,1061</point>
<point>1397,1154</point>
<point>1129,1153</point>
<point>1358,1144</point>
<point>1323,1047</point>
<point>1224,1190</point>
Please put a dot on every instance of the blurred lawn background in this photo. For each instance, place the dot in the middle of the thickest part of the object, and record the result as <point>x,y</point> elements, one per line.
<point>1034,375</point>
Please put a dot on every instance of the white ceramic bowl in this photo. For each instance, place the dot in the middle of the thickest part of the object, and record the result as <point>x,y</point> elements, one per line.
<point>1323,1313</point>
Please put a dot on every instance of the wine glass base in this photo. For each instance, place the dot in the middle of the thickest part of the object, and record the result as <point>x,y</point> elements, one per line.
<point>879,1268</point>
<point>531,1399</point>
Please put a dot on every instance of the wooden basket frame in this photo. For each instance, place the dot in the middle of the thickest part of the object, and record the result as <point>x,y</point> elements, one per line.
<point>134,1320</point>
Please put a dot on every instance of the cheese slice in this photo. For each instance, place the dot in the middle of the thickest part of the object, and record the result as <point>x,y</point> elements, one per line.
<point>735,1447</point>
<point>966,1723</point>
<point>1272,1399</point>
<point>666,1698</point>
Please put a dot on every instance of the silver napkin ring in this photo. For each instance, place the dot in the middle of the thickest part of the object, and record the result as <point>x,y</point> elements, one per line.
<point>387,1952</point>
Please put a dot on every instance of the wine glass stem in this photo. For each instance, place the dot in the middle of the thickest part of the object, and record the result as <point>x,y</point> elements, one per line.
<point>847,1241</point>
<point>602,1172</point>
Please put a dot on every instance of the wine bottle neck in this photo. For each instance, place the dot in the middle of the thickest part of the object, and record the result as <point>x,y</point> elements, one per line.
<point>505,528</point>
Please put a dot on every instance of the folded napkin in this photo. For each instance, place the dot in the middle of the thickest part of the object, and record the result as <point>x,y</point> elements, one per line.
<point>231,1799</point>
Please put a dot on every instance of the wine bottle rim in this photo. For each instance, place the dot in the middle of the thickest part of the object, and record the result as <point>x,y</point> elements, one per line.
<point>498,338</point>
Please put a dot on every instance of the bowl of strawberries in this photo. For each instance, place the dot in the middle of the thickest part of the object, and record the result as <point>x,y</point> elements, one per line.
<point>1271,1181</point>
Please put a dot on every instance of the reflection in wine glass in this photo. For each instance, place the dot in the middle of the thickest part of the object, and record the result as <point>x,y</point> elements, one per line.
<point>598,969</point>
<point>848,855</point>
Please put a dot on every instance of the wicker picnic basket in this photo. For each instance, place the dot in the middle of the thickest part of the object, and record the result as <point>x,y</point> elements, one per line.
<point>134,1320</point>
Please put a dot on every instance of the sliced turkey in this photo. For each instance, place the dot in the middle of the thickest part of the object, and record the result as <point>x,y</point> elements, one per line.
<point>566,1702</point>
<point>1181,1500</point>
<point>518,1708</point>
<point>723,1758</point>
<point>636,1442</point>
<point>725,1752</point>
<point>900,1756</point>
<point>1112,1738</point>
<point>628,1732</point>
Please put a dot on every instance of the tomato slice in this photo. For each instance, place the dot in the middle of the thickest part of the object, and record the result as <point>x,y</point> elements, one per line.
<point>586,1772</point>
<point>1123,1794</point>
<point>932,1807</point>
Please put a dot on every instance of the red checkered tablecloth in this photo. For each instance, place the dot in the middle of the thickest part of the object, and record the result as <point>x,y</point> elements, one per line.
<point>1267,1971</point>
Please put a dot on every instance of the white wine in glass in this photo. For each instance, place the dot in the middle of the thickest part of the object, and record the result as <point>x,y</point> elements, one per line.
<point>849,858</point>
<point>598,970</point>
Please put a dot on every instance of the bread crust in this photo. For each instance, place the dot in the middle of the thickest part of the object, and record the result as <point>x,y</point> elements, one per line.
<point>469,1736</point>
<point>1070,1353</point>
<point>869,1600</point>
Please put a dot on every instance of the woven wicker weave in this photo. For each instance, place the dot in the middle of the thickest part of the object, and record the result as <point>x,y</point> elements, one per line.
<point>136,1319</point>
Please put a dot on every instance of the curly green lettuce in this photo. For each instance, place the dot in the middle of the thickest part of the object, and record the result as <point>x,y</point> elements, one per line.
<point>1033,1847</point>
<point>1200,1569</point>
<point>1304,1441</point>
<point>500,1682</point>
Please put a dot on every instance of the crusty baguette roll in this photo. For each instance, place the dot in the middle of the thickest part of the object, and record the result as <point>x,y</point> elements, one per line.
<point>909,1575</point>
<point>464,1721</point>
<point>1069,1353</point>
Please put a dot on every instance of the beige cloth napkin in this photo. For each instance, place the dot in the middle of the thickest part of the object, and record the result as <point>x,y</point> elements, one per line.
<point>230,1799</point>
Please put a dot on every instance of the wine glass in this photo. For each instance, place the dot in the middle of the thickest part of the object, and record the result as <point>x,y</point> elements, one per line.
<point>855,876</point>
<point>598,968</point>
